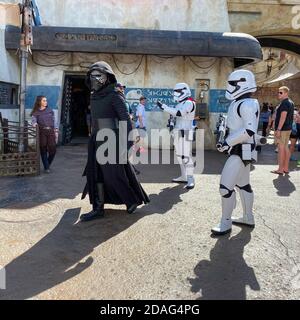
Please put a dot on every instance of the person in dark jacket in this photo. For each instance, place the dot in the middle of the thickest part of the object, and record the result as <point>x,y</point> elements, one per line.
<point>264,117</point>
<point>113,183</point>
<point>43,117</point>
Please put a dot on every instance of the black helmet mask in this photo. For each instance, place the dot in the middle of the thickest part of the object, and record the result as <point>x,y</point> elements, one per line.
<point>98,80</point>
<point>100,74</point>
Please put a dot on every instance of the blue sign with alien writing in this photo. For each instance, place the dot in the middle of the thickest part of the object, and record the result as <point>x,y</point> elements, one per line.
<point>152,94</point>
<point>217,101</point>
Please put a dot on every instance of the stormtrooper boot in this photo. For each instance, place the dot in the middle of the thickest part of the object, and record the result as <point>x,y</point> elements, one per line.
<point>190,183</point>
<point>183,177</point>
<point>228,204</point>
<point>247,203</point>
<point>98,206</point>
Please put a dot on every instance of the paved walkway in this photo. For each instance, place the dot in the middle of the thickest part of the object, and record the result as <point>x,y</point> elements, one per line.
<point>164,251</point>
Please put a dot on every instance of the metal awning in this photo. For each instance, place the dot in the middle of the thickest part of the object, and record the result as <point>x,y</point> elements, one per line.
<point>290,71</point>
<point>243,47</point>
<point>288,42</point>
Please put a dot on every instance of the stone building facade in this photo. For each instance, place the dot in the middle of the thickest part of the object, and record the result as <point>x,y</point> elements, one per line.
<point>149,65</point>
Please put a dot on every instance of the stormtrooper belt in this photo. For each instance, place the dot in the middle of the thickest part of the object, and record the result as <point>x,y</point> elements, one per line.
<point>241,151</point>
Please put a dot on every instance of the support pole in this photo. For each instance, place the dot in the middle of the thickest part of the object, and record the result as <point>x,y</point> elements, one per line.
<point>24,59</point>
<point>25,43</point>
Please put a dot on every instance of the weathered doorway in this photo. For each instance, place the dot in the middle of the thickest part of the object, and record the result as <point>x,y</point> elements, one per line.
<point>74,115</point>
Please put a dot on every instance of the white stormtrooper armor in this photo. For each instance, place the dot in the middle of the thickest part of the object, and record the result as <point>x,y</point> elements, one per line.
<point>183,132</point>
<point>242,123</point>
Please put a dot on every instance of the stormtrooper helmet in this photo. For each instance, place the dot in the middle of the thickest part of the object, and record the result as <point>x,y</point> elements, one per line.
<point>239,83</point>
<point>181,92</point>
<point>99,75</point>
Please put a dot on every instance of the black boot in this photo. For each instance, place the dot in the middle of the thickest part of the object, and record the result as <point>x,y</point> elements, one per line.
<point>131,209</point>
<point>98,206</point>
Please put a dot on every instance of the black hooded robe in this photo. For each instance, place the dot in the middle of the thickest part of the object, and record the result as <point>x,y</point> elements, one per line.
<point>120,183</point>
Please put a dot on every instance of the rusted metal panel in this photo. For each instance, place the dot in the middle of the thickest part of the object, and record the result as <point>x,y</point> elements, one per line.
<point>12,162</point>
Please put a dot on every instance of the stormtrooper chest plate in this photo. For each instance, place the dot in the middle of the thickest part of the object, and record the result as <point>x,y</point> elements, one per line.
<point>187,108</point>
<point>234,121</point>
<point>186,120</point>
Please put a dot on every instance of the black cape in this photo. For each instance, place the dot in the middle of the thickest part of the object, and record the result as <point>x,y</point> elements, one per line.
<point>120,182</point>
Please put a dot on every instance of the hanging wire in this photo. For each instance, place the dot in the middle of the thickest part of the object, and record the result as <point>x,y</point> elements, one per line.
<point>153,58</point>
<point>124,62</point>
<point>85,64</point>
<point>59,63</point>
<point>52,65</point>
<point>91,56</point>
<point>208,61</point>
<point>201,67</point>
<point>94,57</point>
<point>53,55</point>
<point>130,73</point>
<point>164,56</point>
<point>202,72</point>
<point>51,60</point>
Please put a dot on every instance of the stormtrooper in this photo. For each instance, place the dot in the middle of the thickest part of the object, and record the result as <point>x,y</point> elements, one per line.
<point>240,144</point>
<point>183,131</point>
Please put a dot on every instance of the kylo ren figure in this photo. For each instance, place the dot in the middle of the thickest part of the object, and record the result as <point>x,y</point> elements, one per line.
<point>116,182</point>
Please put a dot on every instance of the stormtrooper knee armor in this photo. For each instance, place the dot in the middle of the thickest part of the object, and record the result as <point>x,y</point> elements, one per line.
<point>242,123</point>
<point>183,131</point>
<point>246,195</point>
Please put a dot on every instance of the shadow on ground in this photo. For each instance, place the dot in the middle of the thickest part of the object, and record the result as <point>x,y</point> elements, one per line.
<point>65,251</point>
<point>284,186</point>
<point>66,181</point>
<point>226,275</point>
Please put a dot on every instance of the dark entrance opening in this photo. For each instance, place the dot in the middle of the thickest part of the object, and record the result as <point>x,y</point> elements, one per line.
<point>75,111</point>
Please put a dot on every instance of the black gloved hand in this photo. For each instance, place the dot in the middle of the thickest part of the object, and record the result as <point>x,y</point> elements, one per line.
<point>160,105</point>
<point>223,147</point>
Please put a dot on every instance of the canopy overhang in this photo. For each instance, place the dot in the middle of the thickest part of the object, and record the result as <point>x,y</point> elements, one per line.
<point>288,42</point>
<point>242,47</point>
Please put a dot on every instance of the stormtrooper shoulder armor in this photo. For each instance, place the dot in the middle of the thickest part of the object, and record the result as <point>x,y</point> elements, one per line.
<point>247,107</point>
<point>249,112</point>
<point>244,121</point>
<point>186,109</point>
